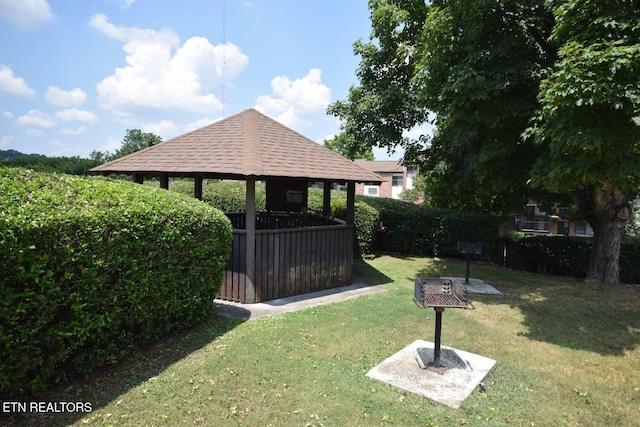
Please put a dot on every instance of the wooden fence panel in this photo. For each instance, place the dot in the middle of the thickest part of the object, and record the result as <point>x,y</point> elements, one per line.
<point>510,254</point>
<point>290,262</point>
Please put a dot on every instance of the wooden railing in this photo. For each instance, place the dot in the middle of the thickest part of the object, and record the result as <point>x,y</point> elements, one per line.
<point>290,261</point>
<point>276,221</point>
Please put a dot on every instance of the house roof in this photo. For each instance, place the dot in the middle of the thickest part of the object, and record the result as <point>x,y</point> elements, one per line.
<point>245,144</point>
<point>380,166</point>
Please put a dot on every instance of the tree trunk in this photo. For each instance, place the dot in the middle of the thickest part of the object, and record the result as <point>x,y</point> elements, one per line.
<point>609,212</point>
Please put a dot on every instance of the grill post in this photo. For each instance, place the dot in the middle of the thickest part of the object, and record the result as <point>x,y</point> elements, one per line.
<point>436,348</point>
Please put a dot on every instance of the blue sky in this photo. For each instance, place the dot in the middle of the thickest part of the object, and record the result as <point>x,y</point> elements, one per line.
<point>76,74</point>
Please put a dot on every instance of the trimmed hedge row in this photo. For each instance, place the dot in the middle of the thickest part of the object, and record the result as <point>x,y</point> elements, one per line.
<point>92,268</point>
<point>422,230</point>
<point>569,255</point>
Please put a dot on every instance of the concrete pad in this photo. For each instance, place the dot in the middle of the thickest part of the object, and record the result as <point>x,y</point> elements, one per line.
<point>405,370</point>
<point>361,285</point>
<point>299,302</point>
<point>477,286</point>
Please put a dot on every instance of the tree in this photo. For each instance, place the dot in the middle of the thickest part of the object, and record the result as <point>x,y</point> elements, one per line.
<point>134,140</point>
<point>589,120</point>
<point>342,146</point>
<point>532,99</point>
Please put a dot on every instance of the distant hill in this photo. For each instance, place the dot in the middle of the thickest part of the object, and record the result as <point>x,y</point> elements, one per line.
<point>12,154</point>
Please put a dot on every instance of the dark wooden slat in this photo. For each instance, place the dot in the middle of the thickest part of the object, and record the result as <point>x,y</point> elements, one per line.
<point>291,262</point>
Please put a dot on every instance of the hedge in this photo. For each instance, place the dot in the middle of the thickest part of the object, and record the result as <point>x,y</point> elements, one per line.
<point>570,255</point>
<point>92,268</point>
<point>423,230</point>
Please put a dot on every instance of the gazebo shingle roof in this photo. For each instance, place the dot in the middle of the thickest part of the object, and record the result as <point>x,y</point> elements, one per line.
<point>245,144</point>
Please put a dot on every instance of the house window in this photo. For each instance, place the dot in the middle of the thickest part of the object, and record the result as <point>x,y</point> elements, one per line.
<point>371,190</point>
<point>397,179</point>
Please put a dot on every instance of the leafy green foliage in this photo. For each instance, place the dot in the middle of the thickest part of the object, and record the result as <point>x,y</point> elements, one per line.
<point>92,268</point>
<point>69,165</point>
<point>591,102</point>
<point>346,148</point>
<point>569,255</point>
<point>134,140</point>
<point>422,230</point>
<point>532,99</point>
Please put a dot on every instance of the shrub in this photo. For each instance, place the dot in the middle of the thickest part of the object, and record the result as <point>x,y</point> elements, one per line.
<point>562,255</point>
<point>570,255</point>
<point>423,230</point>
<point>366,221</point>
<point>231,196</point>
<point>92,268</point>
<point>629,256</point>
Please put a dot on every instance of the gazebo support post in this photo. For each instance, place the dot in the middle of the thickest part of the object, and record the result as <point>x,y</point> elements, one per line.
<point>197,183</point>
<point>326,200</point>
<point>351,202</point>
<point>164,181</point>
<point>250,226</point>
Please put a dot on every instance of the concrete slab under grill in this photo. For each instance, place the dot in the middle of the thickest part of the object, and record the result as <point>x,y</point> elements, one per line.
<point>404,370</point>
<point>477,286</point>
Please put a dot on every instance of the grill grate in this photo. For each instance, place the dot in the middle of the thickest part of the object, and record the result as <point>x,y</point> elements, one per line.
<point>443,300</point>
<point>440,293</point>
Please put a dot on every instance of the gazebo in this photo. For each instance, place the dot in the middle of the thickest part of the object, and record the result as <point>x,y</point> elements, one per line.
<point>281,252</point>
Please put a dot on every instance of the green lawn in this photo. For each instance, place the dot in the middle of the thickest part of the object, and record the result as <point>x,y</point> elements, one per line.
<point>567,353</point>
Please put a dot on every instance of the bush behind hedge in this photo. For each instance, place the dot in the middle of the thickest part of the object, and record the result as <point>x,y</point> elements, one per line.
<point>92,268</point>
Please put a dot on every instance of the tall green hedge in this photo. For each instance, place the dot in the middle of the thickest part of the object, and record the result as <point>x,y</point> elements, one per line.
<point>423,230</point>
<point>92,268</point>
<point>569,255</point>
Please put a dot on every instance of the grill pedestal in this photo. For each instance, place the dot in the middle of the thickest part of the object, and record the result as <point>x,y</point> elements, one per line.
<point>439,294</point>
<point>436,349</point>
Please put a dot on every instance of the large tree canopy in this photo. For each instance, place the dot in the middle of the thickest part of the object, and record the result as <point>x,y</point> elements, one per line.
<point>341,145</point>
<point>134,140</point>
<point>532,99</point>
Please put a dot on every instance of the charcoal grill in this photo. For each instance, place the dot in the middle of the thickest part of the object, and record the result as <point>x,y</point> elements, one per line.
<point>438,293</point>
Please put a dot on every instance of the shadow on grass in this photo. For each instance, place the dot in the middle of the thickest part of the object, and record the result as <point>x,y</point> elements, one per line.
<point>366,273</point>
<point>571,314</point>
<point>560,310</point>
<point>106,385</point>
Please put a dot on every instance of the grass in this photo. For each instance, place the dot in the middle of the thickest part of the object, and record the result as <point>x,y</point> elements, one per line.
<point>568,354</point>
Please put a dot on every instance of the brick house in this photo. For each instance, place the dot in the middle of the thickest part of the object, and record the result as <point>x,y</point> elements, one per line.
<point>395,178</point>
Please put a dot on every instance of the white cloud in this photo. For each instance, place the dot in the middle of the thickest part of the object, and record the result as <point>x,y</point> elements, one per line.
<point>164,128</point>
<point>26,14</point>
<point>126,3</point>
<point>34,132</point>
<point>36,119</point>
<point>11,85</point>
<point>200,123</point>
<point>112,144</point>
<point>296,101</point>
<point>157,78</point>
<point>75,115</point>
<point>8,114</point>
<point>73,132</point>
<point>65,98</point>
<point>5,141</point>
